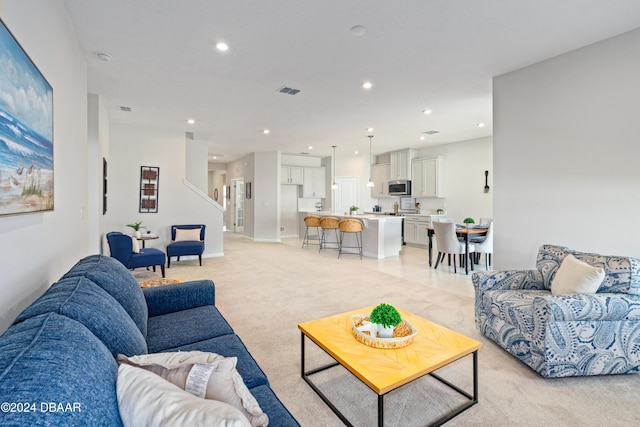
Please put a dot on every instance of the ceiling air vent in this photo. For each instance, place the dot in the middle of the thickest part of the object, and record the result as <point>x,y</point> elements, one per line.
<point>288,90</point>
<point>431,132</point>
<point>125,109</point>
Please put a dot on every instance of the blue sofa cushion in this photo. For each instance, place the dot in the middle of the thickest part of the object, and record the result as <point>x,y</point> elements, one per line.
<point>231,346</point>
<point>273,407</point>
<point>185,327</point>
<point>182,296</point>
<point>80,299</point>
<point>51,359</point>
<point>113,277</point>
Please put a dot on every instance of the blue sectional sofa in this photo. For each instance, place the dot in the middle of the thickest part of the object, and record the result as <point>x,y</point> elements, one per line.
<point>564,335</point>
<point>58,359</point>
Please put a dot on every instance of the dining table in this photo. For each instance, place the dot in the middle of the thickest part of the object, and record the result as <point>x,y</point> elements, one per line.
<point>461,231</point>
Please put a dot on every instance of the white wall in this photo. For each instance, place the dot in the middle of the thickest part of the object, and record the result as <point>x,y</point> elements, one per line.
<point>566,153</point>
<point>177,204</point>
<point>98,147</point>
<point>265,197</point>
<point>196,164</point>
<point>37,248</point>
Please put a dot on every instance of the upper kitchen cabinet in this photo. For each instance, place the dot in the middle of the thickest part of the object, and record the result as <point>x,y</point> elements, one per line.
<point>292,175</point>
<point>380,178</point>
<point>314,186</point>
<point>401,164</point>
<point>427,177</point>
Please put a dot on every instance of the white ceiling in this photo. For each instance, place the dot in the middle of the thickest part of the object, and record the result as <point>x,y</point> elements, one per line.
<point>419,54</point>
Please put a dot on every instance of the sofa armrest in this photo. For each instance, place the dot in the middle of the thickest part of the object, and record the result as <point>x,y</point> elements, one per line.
<point>587,307</point>
<point>181,296</point>
<point>507,279</point>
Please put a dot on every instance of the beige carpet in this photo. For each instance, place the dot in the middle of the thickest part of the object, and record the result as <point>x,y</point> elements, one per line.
<point>265,289</point>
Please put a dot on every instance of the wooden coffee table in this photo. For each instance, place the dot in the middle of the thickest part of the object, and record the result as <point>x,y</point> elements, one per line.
<point>385,370</point>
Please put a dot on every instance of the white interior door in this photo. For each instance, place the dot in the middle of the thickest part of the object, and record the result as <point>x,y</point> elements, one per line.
<point>238,205</point>
<point>347,194</point>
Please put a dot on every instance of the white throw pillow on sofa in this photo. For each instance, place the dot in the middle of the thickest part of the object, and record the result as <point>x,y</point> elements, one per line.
<point>187,235</point>
<point>576,277</point>
<point>145,399</point>
<point>207,375</point>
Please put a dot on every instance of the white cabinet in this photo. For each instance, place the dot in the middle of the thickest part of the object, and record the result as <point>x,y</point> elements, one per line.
<point>427,177</point>
<point>401,164</point>
<point>415,230</point>
<point>291,175</point>
<point>314,186</point>
<point>380,178</point>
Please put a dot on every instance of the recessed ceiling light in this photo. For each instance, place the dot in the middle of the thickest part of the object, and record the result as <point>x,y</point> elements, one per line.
<point>480,125</point>
<point>358,30</point>
<point>427,111</point>
<point>266,131</point>
<point>103,56</point>
<point>367,85</point>
<point>222,46</point>
<point>191,121</point>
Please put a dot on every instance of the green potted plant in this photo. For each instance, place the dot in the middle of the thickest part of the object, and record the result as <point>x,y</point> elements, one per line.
<point>353,209</point>
<point>136,228</point>
<point>469,222</point>
<point>386,318</point>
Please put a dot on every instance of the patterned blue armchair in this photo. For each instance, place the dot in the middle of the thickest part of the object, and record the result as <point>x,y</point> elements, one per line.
<point>564,335</point>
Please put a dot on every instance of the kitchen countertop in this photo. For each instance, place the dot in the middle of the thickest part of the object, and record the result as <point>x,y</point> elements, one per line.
<point>369,216</point>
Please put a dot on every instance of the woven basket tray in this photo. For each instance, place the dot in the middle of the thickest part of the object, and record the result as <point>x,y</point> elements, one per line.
<point>403,334</point>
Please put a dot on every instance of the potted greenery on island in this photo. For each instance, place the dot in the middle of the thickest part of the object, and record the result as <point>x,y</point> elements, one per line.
<point>386,317</point>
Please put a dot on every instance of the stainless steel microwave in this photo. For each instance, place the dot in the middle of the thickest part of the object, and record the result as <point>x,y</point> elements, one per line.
<point>400,187</point>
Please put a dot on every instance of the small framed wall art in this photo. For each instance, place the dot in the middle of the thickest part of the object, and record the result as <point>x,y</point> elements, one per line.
<point>149,180</point>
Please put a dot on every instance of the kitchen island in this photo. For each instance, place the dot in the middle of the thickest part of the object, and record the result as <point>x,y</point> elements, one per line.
<point>381,234</point>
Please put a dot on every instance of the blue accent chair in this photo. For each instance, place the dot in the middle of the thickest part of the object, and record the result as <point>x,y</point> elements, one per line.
<point>122,249</point>
<point>185,247</point>
<point>564,335</point>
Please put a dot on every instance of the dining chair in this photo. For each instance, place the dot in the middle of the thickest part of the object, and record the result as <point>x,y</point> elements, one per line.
<point>448,244</point>
<point>486,247</point>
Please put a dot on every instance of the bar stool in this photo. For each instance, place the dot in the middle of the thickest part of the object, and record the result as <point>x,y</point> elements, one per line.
<point>311,221</point>
<point>329,223</point>
<point>350,226</point>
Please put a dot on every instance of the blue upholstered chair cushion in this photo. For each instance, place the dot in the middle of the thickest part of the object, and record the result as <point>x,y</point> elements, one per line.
<point>231,346</point>
<point>113,277</point>
<point>185,327</point>
<point>54,359</point>
<point>80,299</point>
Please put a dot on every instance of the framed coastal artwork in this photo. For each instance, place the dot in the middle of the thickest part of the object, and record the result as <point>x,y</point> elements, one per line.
<point>26,131</point>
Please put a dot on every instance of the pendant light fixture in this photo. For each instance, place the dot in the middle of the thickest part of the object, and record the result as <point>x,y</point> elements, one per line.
<point>370,183</point>
<point>334,185</point>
